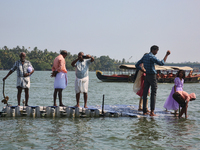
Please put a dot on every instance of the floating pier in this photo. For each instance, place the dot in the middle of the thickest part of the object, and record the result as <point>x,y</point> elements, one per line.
<point>76,112</point>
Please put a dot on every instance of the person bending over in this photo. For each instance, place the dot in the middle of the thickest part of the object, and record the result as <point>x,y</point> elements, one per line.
<point>183,99</point>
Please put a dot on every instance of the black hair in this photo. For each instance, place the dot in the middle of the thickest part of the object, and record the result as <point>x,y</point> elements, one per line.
<point>21,54</point>
<point>63,52</point>
<point>179,73</point>
<point>154,47</point>
<point>80,52</point>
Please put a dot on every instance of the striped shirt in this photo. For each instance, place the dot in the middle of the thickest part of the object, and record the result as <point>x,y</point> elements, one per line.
<point>148,60</point>
<point>22,69</point>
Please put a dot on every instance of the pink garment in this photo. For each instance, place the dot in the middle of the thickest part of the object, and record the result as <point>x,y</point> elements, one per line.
<point>140,92</point>
<point>187,96</point>
<point>59,64</point>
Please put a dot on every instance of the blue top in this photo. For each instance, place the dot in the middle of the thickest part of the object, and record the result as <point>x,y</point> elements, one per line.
<point>148,60</point>
<point>82,68</point>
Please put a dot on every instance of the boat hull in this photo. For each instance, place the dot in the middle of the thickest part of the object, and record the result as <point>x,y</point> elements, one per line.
<point>127,78</point>
<point>113,78</point>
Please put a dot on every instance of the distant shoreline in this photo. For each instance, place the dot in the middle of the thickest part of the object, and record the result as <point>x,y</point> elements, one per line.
<point>195,66</point>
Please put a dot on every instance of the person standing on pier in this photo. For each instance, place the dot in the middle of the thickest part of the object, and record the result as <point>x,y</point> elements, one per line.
<point>82,78</point>
<point>59,71</point>
<point>138,86</point>
<point>24,71</point>
<point>150,80</point>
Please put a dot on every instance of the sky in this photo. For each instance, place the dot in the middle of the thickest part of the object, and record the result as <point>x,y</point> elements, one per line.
<point>115,28</point>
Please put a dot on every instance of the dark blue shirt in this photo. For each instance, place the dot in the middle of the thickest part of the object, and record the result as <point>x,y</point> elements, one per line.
<point>148,60</point>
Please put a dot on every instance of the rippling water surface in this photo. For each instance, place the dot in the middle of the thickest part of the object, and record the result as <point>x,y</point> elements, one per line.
<point>97,133</point>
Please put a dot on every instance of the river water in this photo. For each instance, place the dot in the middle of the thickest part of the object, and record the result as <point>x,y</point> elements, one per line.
<point>96,133</point>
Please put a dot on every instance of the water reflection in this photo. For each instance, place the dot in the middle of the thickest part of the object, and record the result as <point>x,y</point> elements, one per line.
<point>70,132</point>
<point>179,133</point>
<point>146,129</point>
<point>97,133</point>
<point>19,134</point>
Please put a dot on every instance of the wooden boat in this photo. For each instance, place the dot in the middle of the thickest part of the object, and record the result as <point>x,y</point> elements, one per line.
<point>169,77</point>
<point>166,74</point>
<point>113,78</point>
<point>193,79</point>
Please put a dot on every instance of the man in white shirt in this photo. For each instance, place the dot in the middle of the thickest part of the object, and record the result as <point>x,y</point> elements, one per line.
<point>82,78</point>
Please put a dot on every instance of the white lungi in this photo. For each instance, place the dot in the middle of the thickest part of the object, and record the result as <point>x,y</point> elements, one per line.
<point>81,85</point>
<point>60,81</point>
<point>23,82</point>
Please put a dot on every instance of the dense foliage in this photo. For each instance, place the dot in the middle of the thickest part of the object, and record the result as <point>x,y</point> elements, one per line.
<point>43,60</point>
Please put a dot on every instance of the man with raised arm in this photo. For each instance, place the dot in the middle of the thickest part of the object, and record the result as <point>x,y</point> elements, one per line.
<point>150,80</point>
